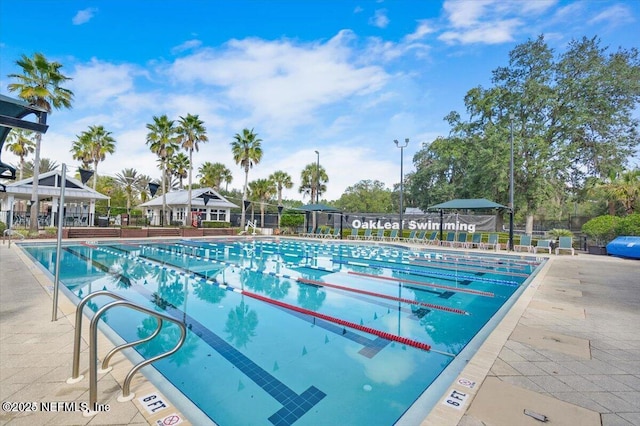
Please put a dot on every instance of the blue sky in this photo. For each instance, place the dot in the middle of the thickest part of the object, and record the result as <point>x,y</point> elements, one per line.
<point>344,78</point>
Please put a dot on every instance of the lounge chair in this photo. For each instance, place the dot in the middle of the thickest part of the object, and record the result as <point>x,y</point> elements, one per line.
<point>492,243</point>
<point>476,240</point>
<point>335,235</point>
<point>380,235</point>
<point>433,239</point>
<point>451,238</point>
<point>367,235</point>
<point>542,245</point>
<point>525,243</point>
<point>411,237</point>
<point>418,237</point>
<point>393,236</point>
<point>309,232</point>
<point>354,234</point>
<point>565,243</point>
<point>460,241</point>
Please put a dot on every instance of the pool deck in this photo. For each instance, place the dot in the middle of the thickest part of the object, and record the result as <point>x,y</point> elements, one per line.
<point>569,349</point>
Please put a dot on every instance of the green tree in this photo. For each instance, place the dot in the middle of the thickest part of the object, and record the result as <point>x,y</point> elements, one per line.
<point>92,146</point>
<point>192,133</point>
<point>20,144</point>
<point>163,142</point>
<point>179,167</point>
<point>213,174</point>
<point>366,196</point>
<point>46,165</point>
<point>262,190</point>
<point>247,151</point>
<point>128,179</point>
<point>40,84</point>
<point>282,180</point>
<point>313,181</point>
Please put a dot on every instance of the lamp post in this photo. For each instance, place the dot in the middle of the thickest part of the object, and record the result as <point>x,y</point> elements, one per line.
<point>318,178</point>
<point>511,206</point>
<point>402,147</point>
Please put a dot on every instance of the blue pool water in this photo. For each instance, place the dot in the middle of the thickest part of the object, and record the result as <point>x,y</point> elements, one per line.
<point>291,332</point>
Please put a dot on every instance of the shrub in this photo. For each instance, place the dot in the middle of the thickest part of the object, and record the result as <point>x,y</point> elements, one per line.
<point>291,220</point>
<point>602,229</point>
<point>3,226</point>
<point>215,224</point>
<point>557,233</point>
<point>628,225</point>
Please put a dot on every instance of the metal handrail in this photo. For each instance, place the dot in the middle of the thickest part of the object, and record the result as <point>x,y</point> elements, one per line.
<point>127,395</point>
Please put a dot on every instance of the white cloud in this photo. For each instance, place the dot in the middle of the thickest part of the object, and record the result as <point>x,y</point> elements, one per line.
<point>187,45</point>
<point>379,19</point>
<point>424,28</point>
<point>490,33</point>
<point>99,81</point>
<point>615,15</point>
<point>84,16</point>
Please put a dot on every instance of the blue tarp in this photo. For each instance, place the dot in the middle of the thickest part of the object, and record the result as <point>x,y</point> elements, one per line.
<point>625,247</point>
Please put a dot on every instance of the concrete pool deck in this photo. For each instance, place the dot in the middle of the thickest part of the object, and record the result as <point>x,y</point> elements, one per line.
<point>569,349</point>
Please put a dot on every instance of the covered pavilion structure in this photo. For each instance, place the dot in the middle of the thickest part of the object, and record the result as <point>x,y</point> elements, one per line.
<point>464,204</point>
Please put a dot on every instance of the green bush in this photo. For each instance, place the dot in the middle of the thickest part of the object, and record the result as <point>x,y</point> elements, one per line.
<point>602,229</point>
<point>291,220</point>
<point>557,233</point>
<point>215,224</point>
<point>628,225</point>
<point>3,226</point>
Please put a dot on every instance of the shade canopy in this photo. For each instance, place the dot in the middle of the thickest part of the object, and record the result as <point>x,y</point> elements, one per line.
<point>11,113</point>
<point>317,208</point>
<point>467,203</point>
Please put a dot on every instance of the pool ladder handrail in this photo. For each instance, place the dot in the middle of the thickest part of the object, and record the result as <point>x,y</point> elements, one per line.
<point>127,395</point>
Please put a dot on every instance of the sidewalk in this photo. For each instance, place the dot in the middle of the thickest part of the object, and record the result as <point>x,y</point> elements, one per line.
<point>569,350</point>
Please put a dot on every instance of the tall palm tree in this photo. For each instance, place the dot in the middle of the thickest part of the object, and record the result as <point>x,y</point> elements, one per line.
<point>92,147</point>
<point>192,132</point>
<point>213,174</point>
<point>246,151</point>
<point>625,189</point>
<point>282,180</point>
<point>163,142</point>
<point>20,144</point>
<point>313,180</point>
<point>142,187</point>
<point>179,166</point>
<point>262,190</point>
<point>40,85</point>
<point>80,148</point>
<point>129,180</point>
<point>46,165</point>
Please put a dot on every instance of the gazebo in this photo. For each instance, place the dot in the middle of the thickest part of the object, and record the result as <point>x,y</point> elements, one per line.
<point>80,200</point>
<point>206,204</point>
<point>464,204</point>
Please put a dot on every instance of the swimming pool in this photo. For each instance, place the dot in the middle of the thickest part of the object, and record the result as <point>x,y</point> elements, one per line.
<point>297,332</point>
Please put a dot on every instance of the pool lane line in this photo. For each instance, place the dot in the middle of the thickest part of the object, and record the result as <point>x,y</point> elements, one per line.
<point>427,273</point>
<point>383,296</point>
<point>423,284</point>
<point>451,266</point>
<point>370,330</point>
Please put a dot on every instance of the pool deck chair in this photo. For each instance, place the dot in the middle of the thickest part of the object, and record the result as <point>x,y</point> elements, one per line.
<point>380,235</point>
<point>411,237</point>
<point>335,235</point>
<point>476,240</point>
<point>450,240</point>
<point>353,235</point>
<point>393,236</point>
<point>492,243</point>
<point>367,235</point>
<point>309,232</point>
<point>460,241</point>
<point>419,237</point>
<point>565,243</point>
<point>542,245</point>
<point>433,239</point>
<point>525,243</point>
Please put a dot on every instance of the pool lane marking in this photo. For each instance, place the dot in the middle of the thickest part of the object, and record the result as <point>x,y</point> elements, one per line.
<point>427,273</point>
<point>294,405</point>
<point>452,266</point>
<point>420,283</point>
<point>383,296</point>
<point>376,332</point>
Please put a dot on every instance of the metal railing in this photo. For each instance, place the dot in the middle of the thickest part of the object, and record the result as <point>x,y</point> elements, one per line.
<point>127,395</point>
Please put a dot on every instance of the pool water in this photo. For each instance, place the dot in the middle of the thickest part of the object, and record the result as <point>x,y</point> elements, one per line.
<point>284,332</point>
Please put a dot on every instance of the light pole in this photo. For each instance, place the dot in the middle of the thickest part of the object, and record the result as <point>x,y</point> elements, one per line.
<point>318,178</point>
<point>402,147</point>
<point>511,206</point>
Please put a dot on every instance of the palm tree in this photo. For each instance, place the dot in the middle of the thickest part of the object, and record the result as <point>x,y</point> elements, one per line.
<point>246,151</point>
<point>179,166</point>
<point>163,142</point>
<point>625,189</point>
<point>20,144</point>
<point>142,186</point>
<point>46,165</point>
<point>91,147</point>
<point>40,85</point>
<point>263,190</point>
<point>213,174</point>
<point>192,132</point>
<point>313,180</point>
<point>128,179</point>
<point>282,180</point>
